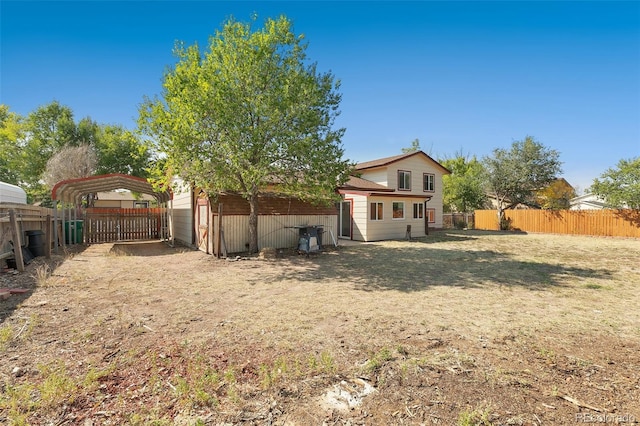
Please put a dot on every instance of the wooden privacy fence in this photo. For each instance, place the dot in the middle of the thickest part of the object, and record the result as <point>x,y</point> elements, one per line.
<point>103,225</point>
<point>607,222</point>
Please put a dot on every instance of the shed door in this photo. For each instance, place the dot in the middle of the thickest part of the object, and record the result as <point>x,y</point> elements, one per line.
<point>202,224</point>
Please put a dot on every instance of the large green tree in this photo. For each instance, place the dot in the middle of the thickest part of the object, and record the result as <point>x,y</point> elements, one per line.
<point>463,190</point>
<point>121,151</point>
<point>620,186</point>
<point>514,176</point>
<point>248,113</point>
<point>46,130</point>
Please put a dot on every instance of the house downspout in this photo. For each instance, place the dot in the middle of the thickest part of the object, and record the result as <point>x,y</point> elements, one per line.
<point>426,218</point>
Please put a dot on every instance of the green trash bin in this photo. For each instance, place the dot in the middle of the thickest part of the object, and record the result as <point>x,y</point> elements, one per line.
<point>73,231</point>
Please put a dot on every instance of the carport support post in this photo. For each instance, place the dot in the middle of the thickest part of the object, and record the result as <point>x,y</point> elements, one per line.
<point>73,232</point>
<point>64,232</point>
<point>219,231</point>
<point>55,225</point>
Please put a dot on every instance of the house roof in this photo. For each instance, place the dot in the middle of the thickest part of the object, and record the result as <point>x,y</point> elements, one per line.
<point>72,189</point>
<point>588,200</point>
<point>382,162</point>
<point>357,183</point>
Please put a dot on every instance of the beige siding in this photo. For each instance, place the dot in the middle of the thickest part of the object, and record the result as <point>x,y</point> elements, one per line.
<point>378,176</point>
<point>183,217</point>
<point>112,204</point>
<point>389,228</point>
<point>360,216</point>
<point>417,165</point>
<point>273,230</point>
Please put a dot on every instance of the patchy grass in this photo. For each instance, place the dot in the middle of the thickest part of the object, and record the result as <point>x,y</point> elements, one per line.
<point>461,327</point>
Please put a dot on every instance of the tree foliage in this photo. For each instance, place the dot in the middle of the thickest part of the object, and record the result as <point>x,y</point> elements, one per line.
<point>515,175</point>
<point>121,151</point>
<point>555,196</point>
<point>463,189</point>
<point>249,113</point>
<point>415,147</point>
<point>10,132</point>
<point>620,186</point>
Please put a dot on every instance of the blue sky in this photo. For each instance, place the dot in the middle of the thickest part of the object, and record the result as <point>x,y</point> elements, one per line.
<point>459,76</point>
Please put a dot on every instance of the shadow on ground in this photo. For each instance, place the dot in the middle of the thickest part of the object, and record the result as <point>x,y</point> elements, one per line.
<point>419,266</point>
<point>145,248</point>
<point>28,280</point>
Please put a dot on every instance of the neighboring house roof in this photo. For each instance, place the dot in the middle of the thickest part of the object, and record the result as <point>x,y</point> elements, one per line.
<point>587,202</point>
<point>383,162</point>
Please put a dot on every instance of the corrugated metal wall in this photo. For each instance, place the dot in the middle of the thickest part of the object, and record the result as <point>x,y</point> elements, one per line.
<point>273,230</point>
<point>608,222</point>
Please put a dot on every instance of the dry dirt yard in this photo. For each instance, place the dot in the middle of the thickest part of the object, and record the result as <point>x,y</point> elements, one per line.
<point>460,328</point>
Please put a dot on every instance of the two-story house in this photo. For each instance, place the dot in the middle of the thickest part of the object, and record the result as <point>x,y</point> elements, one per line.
<point>388,195</point>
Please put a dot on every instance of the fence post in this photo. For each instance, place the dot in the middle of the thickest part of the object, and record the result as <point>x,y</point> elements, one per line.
<point>47,237</point>
<point>17,240</point>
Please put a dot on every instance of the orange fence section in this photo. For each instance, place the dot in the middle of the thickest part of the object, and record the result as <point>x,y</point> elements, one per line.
<point>607,222</point>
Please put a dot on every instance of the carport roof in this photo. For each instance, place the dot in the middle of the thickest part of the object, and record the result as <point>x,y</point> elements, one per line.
<point>72,189</point>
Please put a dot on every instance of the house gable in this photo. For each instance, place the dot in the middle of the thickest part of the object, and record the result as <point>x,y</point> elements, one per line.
<point>405,173</point>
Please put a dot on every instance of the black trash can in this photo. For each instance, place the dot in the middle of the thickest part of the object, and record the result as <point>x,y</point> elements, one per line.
<point>36,242</point>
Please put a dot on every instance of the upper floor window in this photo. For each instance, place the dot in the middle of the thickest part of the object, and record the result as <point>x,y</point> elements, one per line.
<point>404,180</point>
<point>428,182</point>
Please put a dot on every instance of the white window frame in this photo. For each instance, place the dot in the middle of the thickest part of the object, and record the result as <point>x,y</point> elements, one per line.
<point>428,185</point>
<point>402,181</point>
<point>419,211</point>
<point>393,210</point>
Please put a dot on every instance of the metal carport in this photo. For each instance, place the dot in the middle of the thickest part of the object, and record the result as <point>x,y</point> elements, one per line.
<point>72,190</point>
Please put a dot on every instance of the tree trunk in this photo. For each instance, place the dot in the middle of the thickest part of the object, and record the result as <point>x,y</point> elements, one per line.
<point>253,223</point>
<point>500,217</point>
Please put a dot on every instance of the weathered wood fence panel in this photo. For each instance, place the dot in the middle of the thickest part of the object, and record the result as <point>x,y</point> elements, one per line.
<point>29,218</point>
<point>104,225</point>
<point>607,222</point>
<point>457,220</point>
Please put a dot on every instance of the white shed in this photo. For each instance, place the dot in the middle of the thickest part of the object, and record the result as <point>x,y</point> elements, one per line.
<point>12,194</point>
